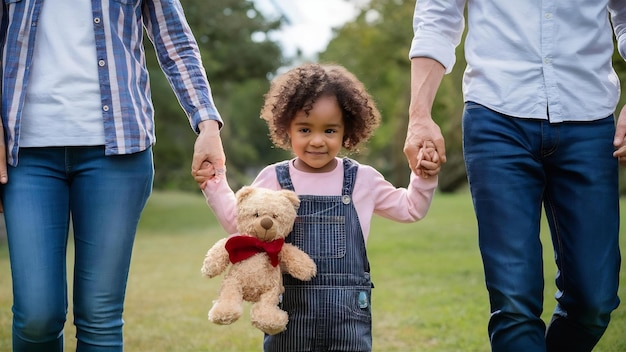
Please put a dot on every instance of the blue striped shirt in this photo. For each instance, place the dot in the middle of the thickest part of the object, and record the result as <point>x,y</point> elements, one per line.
<point>127,109</point>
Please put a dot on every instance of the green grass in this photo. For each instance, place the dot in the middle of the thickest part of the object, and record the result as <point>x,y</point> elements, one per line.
<point>429,293</point>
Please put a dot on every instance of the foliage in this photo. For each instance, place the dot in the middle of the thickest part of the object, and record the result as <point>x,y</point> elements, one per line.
<point>238,57</point>
<point>245,136</point>
<point>429,292</point>
<point>375,47</point>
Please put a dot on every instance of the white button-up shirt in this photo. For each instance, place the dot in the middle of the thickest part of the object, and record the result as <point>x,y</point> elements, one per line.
<point>531,59</point>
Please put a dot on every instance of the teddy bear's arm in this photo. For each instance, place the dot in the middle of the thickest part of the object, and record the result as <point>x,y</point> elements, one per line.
<point>216,259</point>
<point>297,263</point>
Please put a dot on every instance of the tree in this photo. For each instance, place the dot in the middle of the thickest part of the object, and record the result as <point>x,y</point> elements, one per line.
<point>238,57</point>
<point>375,47</point>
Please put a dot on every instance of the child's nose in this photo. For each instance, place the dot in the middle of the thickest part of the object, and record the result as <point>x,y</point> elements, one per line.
<point>318,139</point>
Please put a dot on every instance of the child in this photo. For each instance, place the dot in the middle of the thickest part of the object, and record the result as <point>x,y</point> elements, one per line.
<point>316,110</point>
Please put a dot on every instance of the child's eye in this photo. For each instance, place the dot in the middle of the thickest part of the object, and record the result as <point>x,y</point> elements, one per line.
<point>330,131</point>
<point>304,130</point>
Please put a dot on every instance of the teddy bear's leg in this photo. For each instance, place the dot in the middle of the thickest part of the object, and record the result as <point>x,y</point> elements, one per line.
<point>266,315</point>
<point>229,305</point>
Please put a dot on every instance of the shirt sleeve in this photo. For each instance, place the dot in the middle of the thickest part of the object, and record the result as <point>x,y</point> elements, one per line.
<point>437,29</point>
<point>397,203</point>
<point>267,178</point>
<point>179,57</point>
<point>221,198</point>
<point>617,10</point>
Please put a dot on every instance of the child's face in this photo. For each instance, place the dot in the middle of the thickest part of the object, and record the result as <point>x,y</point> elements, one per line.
<point>316,139</point>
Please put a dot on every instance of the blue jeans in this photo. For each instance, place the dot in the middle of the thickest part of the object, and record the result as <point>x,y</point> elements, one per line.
<point>104,196</point>
<point>514,166</point>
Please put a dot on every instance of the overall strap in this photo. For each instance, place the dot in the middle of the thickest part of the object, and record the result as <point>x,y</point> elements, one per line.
<point>282,173</point>
<point>350,168</point>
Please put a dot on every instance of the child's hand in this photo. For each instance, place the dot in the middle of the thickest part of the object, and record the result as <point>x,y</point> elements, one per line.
<point>428,163</point>
<point>207,173</point>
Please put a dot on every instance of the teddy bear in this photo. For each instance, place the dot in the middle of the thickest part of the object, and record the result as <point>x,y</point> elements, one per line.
<point>257,256</point>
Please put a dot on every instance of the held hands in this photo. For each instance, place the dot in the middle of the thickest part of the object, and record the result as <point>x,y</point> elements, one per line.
<point>208,157</point>
<point>428,162</point>
<point>208,172</point>
<point>619,140</point>
<point>424,148</point>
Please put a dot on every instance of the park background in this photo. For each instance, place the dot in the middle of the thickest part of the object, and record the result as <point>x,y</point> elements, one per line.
<point>429,292</point>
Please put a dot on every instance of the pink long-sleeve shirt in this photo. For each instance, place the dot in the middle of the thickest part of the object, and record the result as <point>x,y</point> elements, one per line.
<point>372,194</point>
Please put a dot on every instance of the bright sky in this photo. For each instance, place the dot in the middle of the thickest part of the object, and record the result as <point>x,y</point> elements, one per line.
<point>311,24</point>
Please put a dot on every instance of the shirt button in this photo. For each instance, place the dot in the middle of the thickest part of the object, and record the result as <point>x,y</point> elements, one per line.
<point>101,63</point>
<point>547,60</point>
<point>105,108</point>
<point>548,15</point>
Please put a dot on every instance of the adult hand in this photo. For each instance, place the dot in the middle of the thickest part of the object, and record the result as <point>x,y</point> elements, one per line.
<point>619,141</point>
<point>204,174</point>
<point>208,148</point>
<point>426,75</point>
<point>424,133</point>
<point>4,176</point>
<point>428,161</point>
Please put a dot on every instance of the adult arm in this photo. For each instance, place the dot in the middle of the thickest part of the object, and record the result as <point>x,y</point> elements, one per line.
<point>208,147</point>
<point>617,10</point>
<point>4,177</point>
<point>179,57</point>
<point>426,76</point>
<point>438,26</point>
<point>619,141</point>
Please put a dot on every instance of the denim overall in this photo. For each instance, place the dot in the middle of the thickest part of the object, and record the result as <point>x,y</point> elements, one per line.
<point>332,311</point>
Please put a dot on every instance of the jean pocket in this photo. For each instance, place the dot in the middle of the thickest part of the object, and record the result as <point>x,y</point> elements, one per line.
<point>471,105</point>
<point>11,1</point>
<point>358,302</point>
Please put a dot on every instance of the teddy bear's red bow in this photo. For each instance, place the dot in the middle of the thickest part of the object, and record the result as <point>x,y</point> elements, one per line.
<point>243,247</point>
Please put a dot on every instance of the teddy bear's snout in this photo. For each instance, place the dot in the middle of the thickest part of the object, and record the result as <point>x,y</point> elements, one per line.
<point>267,223</point>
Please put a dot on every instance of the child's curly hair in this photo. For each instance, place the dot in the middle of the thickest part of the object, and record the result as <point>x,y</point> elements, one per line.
<point>300,87</point>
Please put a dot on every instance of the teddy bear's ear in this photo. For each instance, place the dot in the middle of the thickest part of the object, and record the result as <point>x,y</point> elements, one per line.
<point>244,192</point>
<point>292,197</point>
